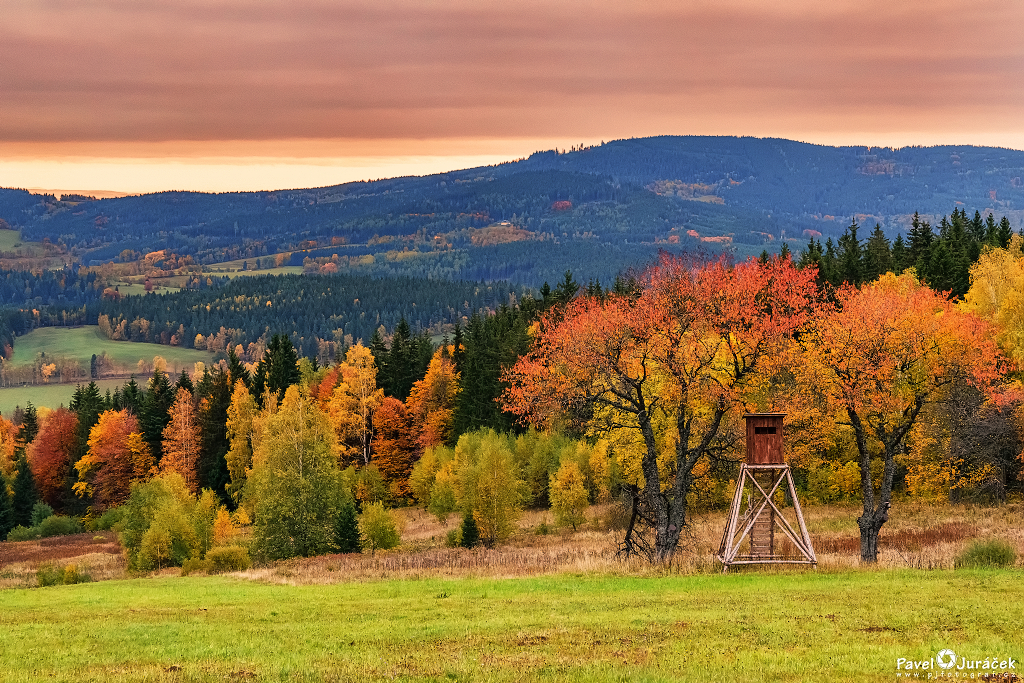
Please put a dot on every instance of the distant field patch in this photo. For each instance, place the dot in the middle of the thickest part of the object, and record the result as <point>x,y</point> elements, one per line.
<point>136,289</point>
<point>80,343</point>
<point>48,395</point>
<point>11,240</point>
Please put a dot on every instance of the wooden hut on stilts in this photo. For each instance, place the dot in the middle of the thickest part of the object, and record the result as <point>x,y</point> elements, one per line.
<point>754,518</point>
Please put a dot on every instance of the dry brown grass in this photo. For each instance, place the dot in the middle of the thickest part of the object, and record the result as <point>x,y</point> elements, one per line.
<point>96,554</point>
<point>918,536</point>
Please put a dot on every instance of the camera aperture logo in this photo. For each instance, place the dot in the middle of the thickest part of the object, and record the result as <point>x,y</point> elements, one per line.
<point>947,664</point>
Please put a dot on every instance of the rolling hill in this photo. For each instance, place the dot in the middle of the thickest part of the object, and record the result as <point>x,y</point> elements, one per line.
<point>595,210</point>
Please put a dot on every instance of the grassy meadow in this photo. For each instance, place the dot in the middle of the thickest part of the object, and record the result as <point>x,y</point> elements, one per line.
<point>546,606</point>
<point>48,395</point>
<point>80,343</point>
<point>765,626</point>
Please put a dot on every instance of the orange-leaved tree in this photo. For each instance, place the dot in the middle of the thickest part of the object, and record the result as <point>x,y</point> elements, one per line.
<point>50,455</point>
<point>117,457</point>
<point>878,356</point>
<point>668,364</point>
<point>394,449</point>
<point>182,442</point>
<point>431,402</point>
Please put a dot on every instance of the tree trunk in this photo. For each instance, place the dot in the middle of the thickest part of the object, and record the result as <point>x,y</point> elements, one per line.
<point>870,524</point>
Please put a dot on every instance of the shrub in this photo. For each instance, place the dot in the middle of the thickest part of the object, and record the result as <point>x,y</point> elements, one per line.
<point>986,554</point>
<point>59,525</point>
<point>378,528</point>
<point>231,558</point>
<point>193,565</point>
<point>106,521</point>
<point>568,495</point>
<point>23,533</point>
<point>50,574</point>
<point>453,539</point>
<point>40,511</point>
<point>72,575</point>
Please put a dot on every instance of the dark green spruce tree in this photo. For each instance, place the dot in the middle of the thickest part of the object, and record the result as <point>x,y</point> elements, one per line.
<point>154,417</point>
<point>6,508</point>
<point>25,494</point>
<point>347,529</point>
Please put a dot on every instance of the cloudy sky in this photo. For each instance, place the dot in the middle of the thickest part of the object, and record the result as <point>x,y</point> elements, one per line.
<point>138,95</point>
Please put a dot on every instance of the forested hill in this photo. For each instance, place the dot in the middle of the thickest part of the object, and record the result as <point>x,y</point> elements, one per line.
<point>595,210</point>
<point>315,312</point>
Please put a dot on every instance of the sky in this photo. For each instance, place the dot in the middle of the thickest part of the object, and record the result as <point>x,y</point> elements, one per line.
<point>225,95</point>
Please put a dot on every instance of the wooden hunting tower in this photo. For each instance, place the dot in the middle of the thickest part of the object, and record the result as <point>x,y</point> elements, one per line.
<point>761,476</point>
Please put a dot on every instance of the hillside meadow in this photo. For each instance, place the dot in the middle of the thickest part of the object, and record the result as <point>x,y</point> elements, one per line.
<point>46,395</point>
<point>80,343</point>
<point>546,606</point>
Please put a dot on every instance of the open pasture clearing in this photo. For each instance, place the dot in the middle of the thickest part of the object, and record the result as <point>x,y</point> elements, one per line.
<point>80,343</point>
<point>544,607</point>
<point>765,626</point>
<point>48,395</point>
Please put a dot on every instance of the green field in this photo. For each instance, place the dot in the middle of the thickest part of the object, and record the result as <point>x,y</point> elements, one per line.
<point>752,626</point>
<point>80,343</point>
<point>48,395</point>
<point>11,240</point>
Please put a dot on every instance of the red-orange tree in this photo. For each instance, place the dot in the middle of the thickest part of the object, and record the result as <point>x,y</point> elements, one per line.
<point>431,402</point>
<point>50,455</point>
<point>394,449</point>
<point>669,363</point>
<point>877,357</point>
<point>117,457</point>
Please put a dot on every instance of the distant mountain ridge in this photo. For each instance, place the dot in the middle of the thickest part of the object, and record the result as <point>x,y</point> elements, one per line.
<point>595,210</point>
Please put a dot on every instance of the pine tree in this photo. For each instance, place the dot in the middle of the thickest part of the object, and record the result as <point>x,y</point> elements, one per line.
<point>280,366</point>
<point>1004,233</point>
<point>397,373</point>
<point>132,397</point>
<point>851,266</point>
<point>154,418</point>
<point>920,241</point>
<point>237,371</point>
<point>470,532</point>
<point>214,400</point>
<point>567,289</point>
<point>29,425</point>
<point>6,509</point>
<point>347,529</point>
<point>25,495</point>
<point>185,382</point>
<point>877,255</point>
<point>900,256</point>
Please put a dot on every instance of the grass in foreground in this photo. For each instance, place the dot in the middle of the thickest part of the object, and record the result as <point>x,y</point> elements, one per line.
<point>792,626</point>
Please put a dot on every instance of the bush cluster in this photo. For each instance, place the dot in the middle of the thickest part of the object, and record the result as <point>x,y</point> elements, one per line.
<point>990,554</point>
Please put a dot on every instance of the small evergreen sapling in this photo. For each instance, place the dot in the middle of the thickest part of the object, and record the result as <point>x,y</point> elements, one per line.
<point>348,529</point>
<point>25,496</point>
<point>470,533</point>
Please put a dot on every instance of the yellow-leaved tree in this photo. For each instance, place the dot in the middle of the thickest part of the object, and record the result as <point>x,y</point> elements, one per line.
<point>241,414</point>
<point>352,404</point>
